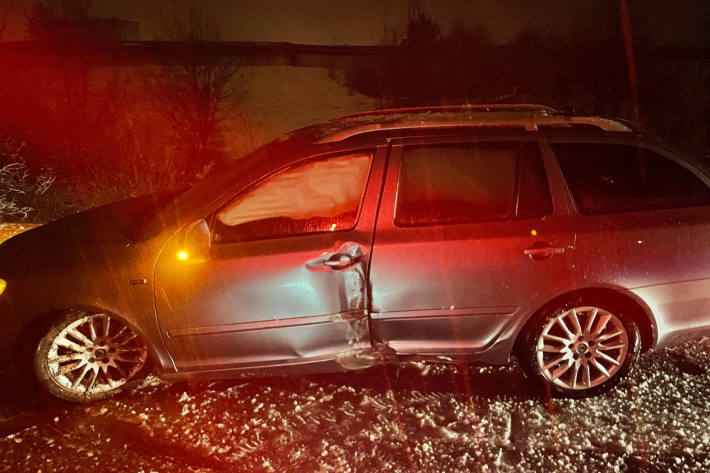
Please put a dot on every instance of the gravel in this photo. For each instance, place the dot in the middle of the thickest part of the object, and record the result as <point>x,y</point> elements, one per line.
<point>412,417</point>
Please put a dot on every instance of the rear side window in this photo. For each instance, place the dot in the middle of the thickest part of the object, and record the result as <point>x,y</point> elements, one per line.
<point>611,178</point>
<point>477,182</point>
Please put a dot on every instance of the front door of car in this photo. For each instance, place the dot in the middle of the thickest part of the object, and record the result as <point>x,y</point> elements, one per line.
<point>280,277</point>
<point>468,238</point>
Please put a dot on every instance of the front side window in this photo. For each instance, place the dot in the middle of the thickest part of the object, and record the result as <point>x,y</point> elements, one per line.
<point>479,182</point>
<point>313,197</point>
<point>610,178</point>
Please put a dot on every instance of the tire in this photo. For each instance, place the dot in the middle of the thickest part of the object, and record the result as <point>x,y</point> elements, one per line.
<point>86,356</point>
<point>569,361</point>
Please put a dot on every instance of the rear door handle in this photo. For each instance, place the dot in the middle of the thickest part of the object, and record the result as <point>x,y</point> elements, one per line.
<point>541,250</point>
<point>548,250</point>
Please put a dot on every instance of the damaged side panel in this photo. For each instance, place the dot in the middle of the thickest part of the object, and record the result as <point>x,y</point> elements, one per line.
<point>361,354</point>
<point>278,308</point>
<point>272,302</point>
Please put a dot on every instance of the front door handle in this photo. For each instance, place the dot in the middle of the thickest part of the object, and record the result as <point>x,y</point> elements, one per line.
<point>346,255</point>
<point>340,261</point>
<point>542,250</point>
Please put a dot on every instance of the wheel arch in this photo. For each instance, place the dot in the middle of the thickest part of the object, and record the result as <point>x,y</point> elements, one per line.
<point>37,326</point>
<point>630,305</point>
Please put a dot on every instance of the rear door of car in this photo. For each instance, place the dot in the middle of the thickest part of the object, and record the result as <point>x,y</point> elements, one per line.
<point>471,234</point>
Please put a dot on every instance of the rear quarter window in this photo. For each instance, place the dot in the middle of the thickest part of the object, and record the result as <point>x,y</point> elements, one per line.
<point>612,178</point>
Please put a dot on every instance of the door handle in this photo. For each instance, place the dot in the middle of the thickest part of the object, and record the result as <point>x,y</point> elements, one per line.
<point>542,250</point>
<point>340,261</point>
<point>346,255</point>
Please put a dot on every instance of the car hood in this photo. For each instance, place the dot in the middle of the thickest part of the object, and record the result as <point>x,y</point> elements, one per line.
<point>101,232</point>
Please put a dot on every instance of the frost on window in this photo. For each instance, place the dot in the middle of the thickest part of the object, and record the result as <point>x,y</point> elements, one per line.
<point>313,197</point>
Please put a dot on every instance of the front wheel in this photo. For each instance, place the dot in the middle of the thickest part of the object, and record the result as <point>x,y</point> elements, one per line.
<point>88,356</point>
<point>580,350</point>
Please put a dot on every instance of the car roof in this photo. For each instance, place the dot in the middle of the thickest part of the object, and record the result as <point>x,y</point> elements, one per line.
<point>376,127</point>
<point>491,117</point>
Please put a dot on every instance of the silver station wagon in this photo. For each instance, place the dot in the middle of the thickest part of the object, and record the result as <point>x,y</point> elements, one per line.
<point>453,234</point>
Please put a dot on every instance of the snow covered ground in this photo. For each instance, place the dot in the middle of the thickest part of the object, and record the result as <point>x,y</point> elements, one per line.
<point>8,230</point>
<point>281,99</point>
<point>415,417</point>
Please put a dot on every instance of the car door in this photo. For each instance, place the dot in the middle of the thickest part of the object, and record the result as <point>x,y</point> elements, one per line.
<point>283,280</point>
<point>468,237</point>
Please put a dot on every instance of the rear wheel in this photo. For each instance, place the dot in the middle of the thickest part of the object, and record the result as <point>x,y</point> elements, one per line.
<point>87,356</point>
<point>580,349</point>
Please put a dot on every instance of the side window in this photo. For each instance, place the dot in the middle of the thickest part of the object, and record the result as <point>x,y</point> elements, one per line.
<point>610,178</point>
<point>479,182</point>
<point>317,196</point>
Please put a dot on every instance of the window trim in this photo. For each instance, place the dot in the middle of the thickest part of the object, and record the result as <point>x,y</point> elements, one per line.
<point>515,205</point>
<point>371,151</point>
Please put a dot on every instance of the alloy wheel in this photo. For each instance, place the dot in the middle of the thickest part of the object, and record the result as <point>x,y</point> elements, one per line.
<point>95,354</point>
<point>581,348</point>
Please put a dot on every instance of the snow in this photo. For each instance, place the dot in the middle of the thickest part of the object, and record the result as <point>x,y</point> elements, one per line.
<point>8,230</point>
<point>281,99</point>
<point>275,89</point>
<point>411,417</point>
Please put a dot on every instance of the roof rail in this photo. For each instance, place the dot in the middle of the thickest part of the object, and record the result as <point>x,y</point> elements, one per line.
<point>525,123</point>
<point>492,107</point>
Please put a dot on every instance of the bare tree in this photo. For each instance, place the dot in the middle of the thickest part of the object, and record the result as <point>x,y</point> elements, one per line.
<point>75,113</point>
<point>84,101</point>
<point>21,193</point>
<point>10,11</point>
<point>390,32</point>
<point>5,6</point>
<point>201,93</point>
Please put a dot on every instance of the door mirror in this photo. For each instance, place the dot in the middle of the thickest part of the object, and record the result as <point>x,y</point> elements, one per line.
<point>197,240</point>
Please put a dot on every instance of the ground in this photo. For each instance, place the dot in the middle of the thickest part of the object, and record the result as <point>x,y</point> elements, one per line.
<point>413,417</point>
<point>8,230</point>
<point>284,98</point>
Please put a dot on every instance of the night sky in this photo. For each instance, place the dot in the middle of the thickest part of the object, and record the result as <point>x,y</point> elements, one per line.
<point>361,22</point>
<point>356,22</point>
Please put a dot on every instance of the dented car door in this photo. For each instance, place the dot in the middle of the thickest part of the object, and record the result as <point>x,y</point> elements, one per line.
<point>284,278</point>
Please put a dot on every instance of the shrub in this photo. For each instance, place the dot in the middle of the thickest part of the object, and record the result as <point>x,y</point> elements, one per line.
<point>23,196</point>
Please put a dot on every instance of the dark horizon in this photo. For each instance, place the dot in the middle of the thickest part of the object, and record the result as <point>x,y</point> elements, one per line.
<point>363,22</point>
